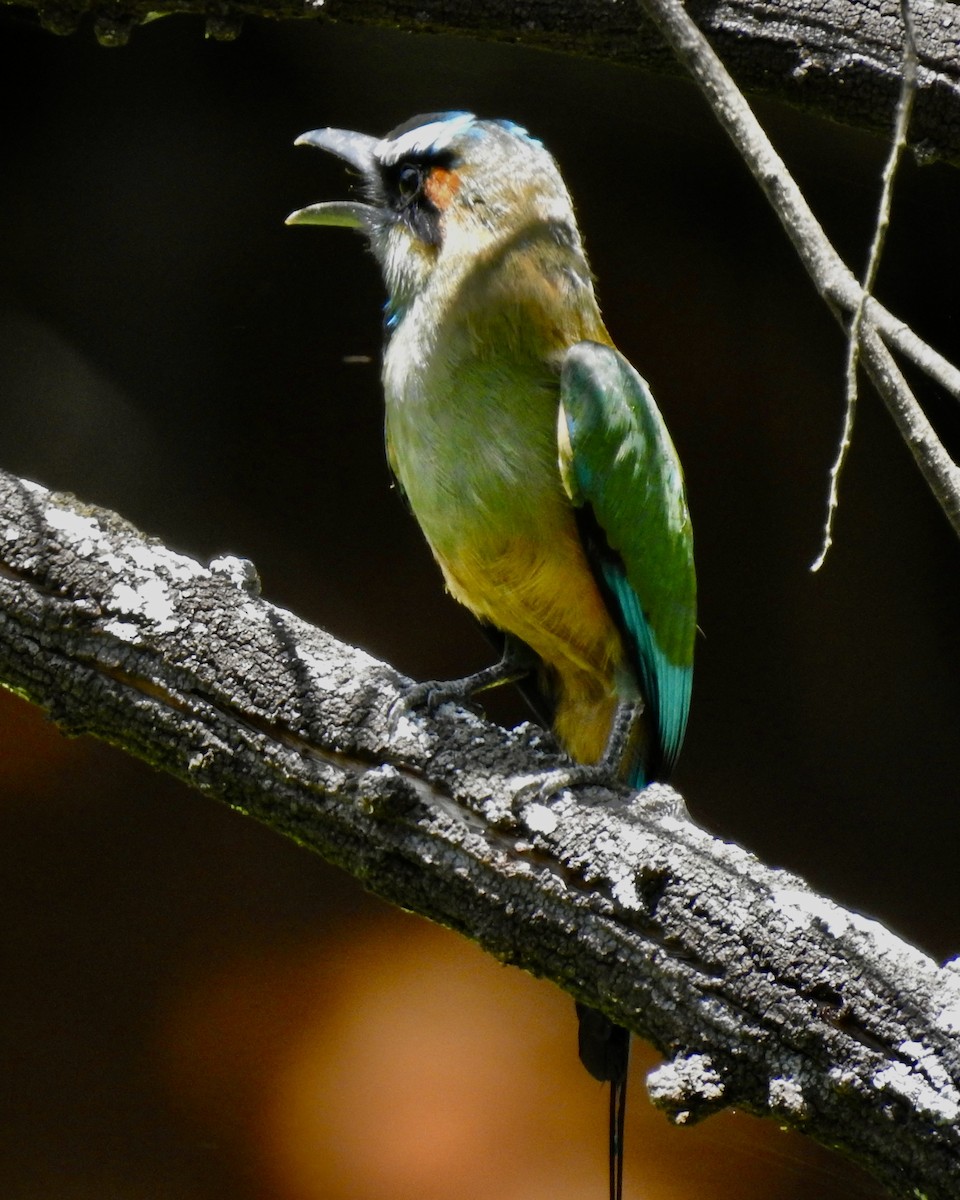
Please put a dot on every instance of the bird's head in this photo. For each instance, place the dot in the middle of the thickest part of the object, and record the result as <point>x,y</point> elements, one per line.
<point>442,190</point>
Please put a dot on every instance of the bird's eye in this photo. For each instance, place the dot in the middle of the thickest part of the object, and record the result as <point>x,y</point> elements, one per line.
<point>409,182</point>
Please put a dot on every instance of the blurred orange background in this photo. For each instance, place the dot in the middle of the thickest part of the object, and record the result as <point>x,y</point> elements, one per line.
<point>195,1009</point>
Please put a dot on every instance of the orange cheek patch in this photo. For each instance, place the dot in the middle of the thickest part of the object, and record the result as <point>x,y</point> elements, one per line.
<point>441,187</point>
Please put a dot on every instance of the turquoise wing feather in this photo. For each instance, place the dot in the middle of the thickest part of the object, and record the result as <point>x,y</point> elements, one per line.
<point>622,473</point>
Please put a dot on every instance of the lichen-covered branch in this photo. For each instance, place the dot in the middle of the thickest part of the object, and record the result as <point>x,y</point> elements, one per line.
<point>759,993</point>
<point>840,58</point>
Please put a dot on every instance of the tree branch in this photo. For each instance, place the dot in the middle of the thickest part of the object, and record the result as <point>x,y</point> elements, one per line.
<point>760,994</point>
<point>839,58</point>
<point>879,329</point>
<point>898,143</point>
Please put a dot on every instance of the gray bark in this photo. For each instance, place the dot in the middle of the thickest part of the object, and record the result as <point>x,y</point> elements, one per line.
<point>759,993</point>
<point>838,58</point>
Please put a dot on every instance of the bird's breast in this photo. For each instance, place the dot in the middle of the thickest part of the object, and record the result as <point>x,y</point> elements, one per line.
<point>471,380</point>
<point>472,385</point>
<point>472,441</point>
<point>471,437</point>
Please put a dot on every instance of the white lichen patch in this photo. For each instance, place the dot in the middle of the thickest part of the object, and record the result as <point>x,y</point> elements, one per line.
<point>625,893</point>
<point>676,1084</point>
<point>786,1096</point>
<point>948,1018</point>
<point>318,661</point>
<point>113,562</point>
<point>606,844</point>
<point>630,843</point>
<point>407,729</point>
<point>124,630</point>
<point>179,567</point>
<point>540,819</point>
<point>88,539</point>
<point>736,858</point>
<point>926,1087</point>
<point>240,571</point>
<point>149,602</point>
<point>318,668</point>
<point>84,533</point>
<point>948,993</point>
<point>802,909</point>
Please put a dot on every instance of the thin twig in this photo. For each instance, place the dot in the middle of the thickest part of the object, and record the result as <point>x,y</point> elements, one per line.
<point>908,91</point>
<point>833,279</point>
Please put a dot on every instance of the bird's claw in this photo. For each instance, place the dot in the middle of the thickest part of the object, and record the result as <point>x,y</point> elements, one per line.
<point>428,695</point>
<point>431,694</point>
<point>545,787</point>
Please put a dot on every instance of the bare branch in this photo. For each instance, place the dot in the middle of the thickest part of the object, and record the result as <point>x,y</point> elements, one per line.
<point>840,58</point>
<point>832,278</point>
<point>759,993</point>
<point>898,144</point>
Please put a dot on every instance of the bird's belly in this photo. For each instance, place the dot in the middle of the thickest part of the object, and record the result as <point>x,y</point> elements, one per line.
<point>536,585</point>
<point>545,595</point>
<point>522,568</point>
<point>476,456</point>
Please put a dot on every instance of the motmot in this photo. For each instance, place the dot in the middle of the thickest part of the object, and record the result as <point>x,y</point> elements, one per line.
<point>531,453</point>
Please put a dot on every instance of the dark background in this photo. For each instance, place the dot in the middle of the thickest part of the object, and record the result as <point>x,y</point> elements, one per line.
<point>192,1007</point>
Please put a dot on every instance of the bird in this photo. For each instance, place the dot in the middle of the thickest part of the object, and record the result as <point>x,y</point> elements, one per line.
<point>531,453</point>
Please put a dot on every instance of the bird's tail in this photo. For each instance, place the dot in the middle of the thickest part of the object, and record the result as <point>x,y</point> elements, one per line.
<point>618,1111</point>
<point>605,1052</point>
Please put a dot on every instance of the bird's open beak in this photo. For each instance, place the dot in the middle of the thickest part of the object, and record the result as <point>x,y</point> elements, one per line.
<point>357,149</point>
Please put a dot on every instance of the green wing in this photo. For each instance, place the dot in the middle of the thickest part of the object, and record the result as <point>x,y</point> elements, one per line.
<point>622,473</point>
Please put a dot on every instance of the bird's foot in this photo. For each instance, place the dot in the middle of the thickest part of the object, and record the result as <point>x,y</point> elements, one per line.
<point>543,788</point>
<point>612,769</point>
<point>429,695</point>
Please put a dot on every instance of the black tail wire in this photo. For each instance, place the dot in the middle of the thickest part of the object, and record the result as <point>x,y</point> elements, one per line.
<point>605,1052</point>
